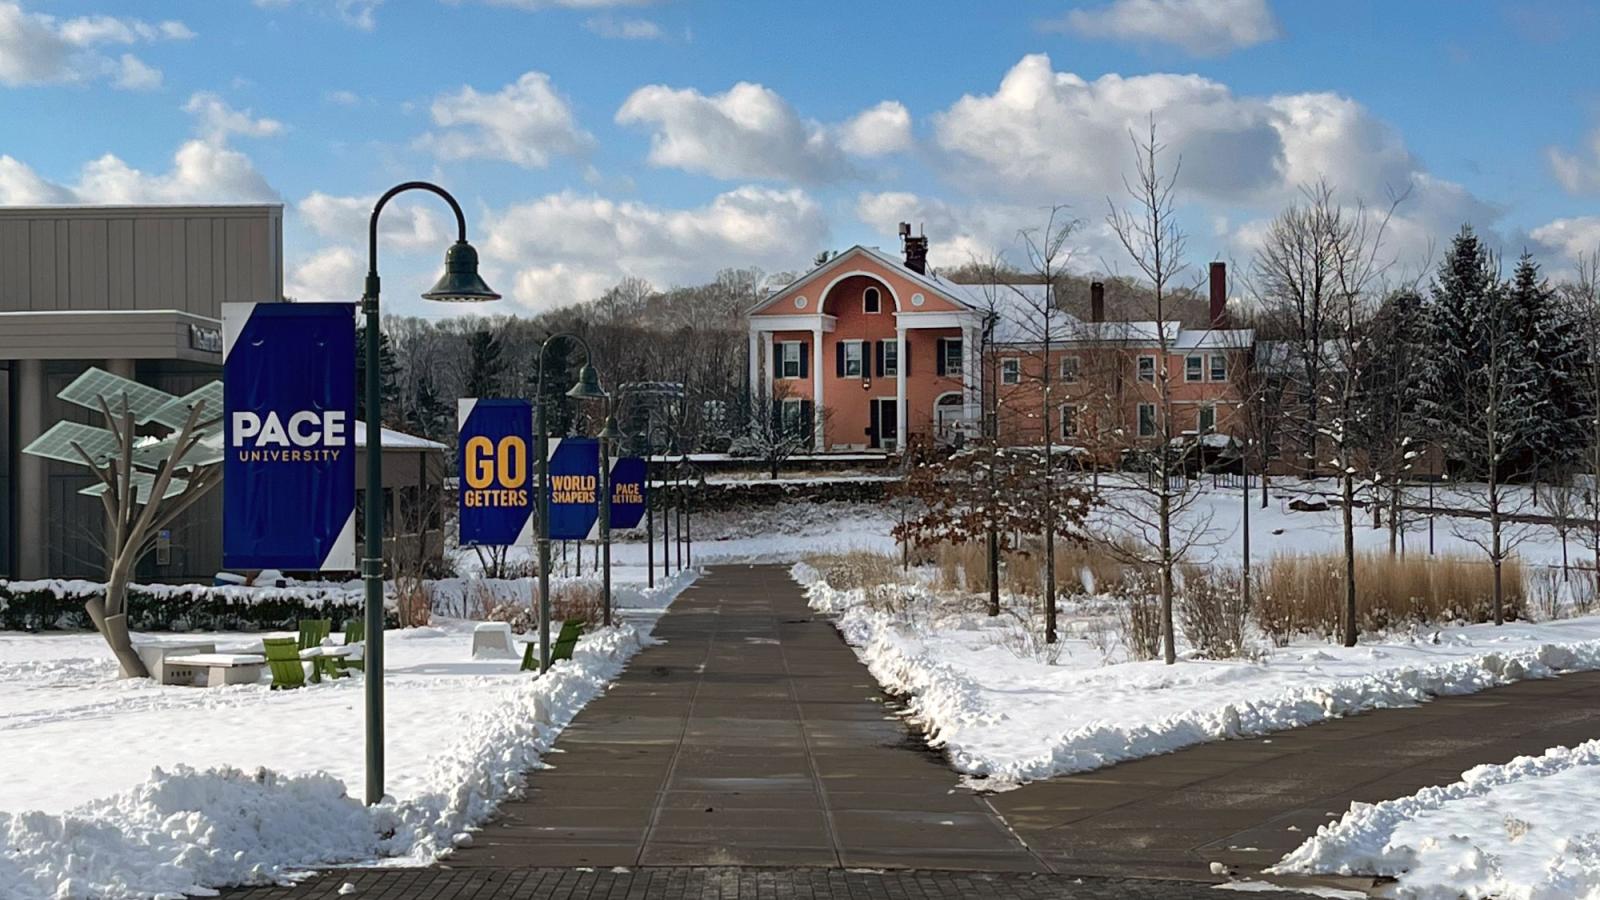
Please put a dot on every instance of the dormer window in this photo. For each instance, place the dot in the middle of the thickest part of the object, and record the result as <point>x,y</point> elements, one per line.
<point>871,300</point>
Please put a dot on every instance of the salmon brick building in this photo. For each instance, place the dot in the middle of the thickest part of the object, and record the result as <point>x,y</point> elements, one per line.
<point>868,351</point>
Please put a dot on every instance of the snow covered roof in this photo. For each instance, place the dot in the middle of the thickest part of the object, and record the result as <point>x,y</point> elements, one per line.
<point>396,440</point>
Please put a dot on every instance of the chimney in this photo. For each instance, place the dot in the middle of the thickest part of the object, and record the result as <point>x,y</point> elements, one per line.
<point>1219,295</point>
<point>1097,301</point>
<point>916,249</point>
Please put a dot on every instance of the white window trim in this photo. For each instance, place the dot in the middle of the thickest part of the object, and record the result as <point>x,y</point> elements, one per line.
<point>954,367</point>
<point>1211,367</point>
<point>1075,410</point>
<point>1199,370</point>
<point>783,361</point>
<point>1138,423</point>
<point>861,359</point>
<point>1073,359</point>
<point>1007,377</point>
<point>871,312</point>
<point>891,347</point>
<point>1199,417</point>
<point>1138,369</point>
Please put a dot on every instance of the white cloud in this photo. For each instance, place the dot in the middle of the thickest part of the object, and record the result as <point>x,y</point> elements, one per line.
<point>624,29</point>
<point>526,122</point>
<point>134,75</point>
<point>1201,27</point>
<point>565,4</point>
<point>21,186</point>
<point>1578,172</point>
<point>333,273</point>
<point>217,120</point>
<point>563,246</point>
<point>342,98</point>
<point>36,48</point>
<point>881,130</point>
<point>1571,238</point>
<point>404,225</point>
<point>361,14</point>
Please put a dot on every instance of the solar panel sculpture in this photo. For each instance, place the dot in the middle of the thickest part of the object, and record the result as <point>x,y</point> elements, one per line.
<point>156,457</point>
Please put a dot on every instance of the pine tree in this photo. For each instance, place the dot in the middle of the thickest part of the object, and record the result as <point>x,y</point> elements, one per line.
<point>1552,351</point>
<point>388,379</point>
<point>430,412</point>
<point>1394,387</point>
<point>1455,311</point>
<point>485,366</point>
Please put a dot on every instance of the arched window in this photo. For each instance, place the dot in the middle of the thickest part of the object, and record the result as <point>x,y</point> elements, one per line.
<point>871,300</point>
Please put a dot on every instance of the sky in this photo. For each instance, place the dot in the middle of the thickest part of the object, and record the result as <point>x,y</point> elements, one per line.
<point>592,140</point>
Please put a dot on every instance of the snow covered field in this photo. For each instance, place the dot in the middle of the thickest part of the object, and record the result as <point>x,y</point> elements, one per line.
<point>137,789</point>
<point>1525,830</point>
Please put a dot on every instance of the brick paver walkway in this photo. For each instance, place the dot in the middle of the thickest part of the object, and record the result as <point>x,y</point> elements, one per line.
<point>752,755</point>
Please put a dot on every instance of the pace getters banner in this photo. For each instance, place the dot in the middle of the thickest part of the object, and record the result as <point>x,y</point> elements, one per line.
<point>495,452</point>
<point>628,492</point>
<point>289,410</point>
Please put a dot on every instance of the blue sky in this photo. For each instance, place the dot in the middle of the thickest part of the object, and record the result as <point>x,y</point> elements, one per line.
<point>591,140</point>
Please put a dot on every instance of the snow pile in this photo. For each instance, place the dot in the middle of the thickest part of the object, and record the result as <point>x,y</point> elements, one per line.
<point>1525,830</point>
<point>1008,718</point>
<point>185,830</point>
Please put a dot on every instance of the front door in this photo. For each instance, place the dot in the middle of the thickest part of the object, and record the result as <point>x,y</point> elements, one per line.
<point>885,424</point>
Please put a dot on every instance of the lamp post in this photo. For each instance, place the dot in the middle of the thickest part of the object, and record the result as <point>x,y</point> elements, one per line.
<point>460,283</point>
<point>587,388</point>
<point>609,435</point>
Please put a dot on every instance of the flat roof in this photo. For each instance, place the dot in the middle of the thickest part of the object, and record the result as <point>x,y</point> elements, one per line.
<point>60,210</point>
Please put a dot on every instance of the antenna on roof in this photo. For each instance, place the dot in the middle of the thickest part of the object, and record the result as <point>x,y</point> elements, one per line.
<point>905,229</point>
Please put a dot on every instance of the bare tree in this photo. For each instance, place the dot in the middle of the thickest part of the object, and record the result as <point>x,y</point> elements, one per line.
<point>1156,521</point>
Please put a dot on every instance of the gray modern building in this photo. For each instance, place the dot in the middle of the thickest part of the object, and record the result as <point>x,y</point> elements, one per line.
<point>137,291</point>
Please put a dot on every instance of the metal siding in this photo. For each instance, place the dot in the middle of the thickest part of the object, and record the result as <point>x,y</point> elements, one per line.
<point>88,258</point>
<point>13,265</point>
<point>199,267</point>
<point>41,266</point>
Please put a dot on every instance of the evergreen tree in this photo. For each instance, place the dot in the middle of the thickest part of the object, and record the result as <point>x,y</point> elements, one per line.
<point>430,413</point>
<point>388,379</point>
<point>1456,311</point>
<point>1393,389</point>
<point>485,366</point>
<point>1551,351</point>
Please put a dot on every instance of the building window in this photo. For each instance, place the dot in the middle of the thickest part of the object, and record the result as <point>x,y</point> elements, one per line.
<point>1069,369</point>
<point>1147,369</point>
<point>794,416</point>
<point>1069,422</point>
<point>871,300</point>
<point>1207,420</point>
<point>1147,420</point>
<point>852,359</point>
<point>789,356</point>
<point>1011,370</point>
<point>1219,367</point>
<point>950,362</point>
<point>1194,368</point>
<point>891,358</point>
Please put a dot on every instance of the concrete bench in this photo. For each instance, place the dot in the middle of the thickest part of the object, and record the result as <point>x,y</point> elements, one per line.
<point>157,652</point>
<point>222,668</point>
<point>492,640</point>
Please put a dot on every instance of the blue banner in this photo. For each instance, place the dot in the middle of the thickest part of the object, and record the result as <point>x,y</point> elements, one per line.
<point>495,455</point>
<point>627,492</point>
<point>574,488</point>
<point>289,422</point>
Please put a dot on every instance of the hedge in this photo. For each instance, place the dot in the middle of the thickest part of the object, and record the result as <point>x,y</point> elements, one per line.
<point>58,604</point>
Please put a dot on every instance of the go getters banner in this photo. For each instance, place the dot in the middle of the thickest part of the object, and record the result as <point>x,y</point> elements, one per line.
<point>289,474</point>
<point>494,450</point>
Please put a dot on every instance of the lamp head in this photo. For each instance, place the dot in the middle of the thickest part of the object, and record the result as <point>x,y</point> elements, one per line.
<point>611,433</point>
<point>588,386</point>
<point>460,282</point>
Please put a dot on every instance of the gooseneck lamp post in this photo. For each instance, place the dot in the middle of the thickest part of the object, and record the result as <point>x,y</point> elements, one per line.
<point>587,388</point>
<point>609,437</point>
<point>460,283</point>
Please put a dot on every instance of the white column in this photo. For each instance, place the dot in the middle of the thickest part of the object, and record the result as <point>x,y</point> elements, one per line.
<point>901,417</point>
<point>816,388</point>
<point>755,363</point>
<point>770,379</point>
<point>971,361</point>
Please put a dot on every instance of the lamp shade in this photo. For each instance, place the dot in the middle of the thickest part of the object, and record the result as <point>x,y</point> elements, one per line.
<point>460,282</point>
<point>611,433</point>
<point>588,386</point>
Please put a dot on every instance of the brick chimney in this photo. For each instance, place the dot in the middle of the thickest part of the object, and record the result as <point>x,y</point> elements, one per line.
<point>1097,301</point>
<point>916,249</point>
<point>1219,295</point>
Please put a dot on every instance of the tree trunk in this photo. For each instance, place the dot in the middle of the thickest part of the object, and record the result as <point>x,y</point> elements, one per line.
<point>1494,537</point>
<point>994,572</point>
<point>1169,641</point>
<point>1263,484</point>
<point>1349,561</point>
<point>114,629</point>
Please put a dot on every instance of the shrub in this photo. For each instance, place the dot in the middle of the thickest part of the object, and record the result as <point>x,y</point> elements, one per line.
<point>857,569</point>
<point>1544,593</point>
<point>1139,613</point>
<point>1212,610</point>
<point>578,599</point>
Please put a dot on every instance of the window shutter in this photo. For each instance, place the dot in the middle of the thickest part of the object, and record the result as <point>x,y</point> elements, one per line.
<point>872,429</point>
<point>777,416</point>
<point>805,358</point>
<point>839,359</point>
<point>877,351</point>
<point>905,361</point>
<point>938,364</point>
<point>808,422</point>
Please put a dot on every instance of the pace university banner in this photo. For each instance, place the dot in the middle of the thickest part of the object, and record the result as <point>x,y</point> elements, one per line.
<point>496,491</point>
<point>289,476</point>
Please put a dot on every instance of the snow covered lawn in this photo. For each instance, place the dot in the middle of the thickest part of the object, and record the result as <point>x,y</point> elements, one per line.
<point>1003,714</point>
<point>1526,830</point>
<point>127,788</point>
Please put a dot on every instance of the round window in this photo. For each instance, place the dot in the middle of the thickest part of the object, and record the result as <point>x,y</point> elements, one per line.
<point>918,299</point>
<point>800,302</point>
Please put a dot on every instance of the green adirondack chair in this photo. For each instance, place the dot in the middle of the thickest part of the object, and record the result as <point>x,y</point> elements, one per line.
<point>355,632</point>
<point>312,633</point>
<point>571,630</point>
<point>283,658</point>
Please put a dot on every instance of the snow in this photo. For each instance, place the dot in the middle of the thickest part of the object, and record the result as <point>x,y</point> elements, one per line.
<point>150,790</point>
<point>1524,830</point>
<point>1007,716</point>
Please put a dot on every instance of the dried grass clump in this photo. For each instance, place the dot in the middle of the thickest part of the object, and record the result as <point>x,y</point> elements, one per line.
<point>578,600</point>
<point>1212,611</point>
<point>857,569</point>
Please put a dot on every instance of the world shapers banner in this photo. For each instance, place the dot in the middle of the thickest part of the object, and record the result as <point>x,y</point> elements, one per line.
<point>496,496</point>
<point>574,489</point>
<point>289,421</point>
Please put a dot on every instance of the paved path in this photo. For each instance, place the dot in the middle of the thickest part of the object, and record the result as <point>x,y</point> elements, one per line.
<point>752,755</point>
